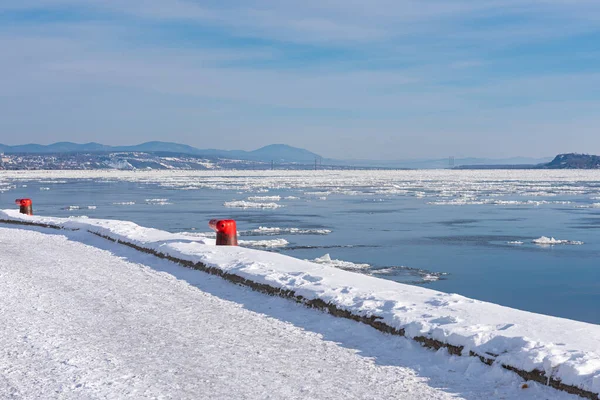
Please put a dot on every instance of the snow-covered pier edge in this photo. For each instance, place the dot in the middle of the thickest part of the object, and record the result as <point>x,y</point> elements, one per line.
<point>553,351</point>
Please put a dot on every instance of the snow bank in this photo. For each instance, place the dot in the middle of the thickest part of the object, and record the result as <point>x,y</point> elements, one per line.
<point>200,234</point>
<point>550,241</point>
<point>563,351</point>
<point>100,324</point>
<point>119,230</point>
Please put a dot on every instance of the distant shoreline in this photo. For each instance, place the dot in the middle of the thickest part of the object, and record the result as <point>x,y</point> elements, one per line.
<point>561,161</point>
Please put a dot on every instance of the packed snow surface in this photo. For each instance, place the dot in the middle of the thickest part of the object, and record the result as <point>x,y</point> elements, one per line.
<point>84,318</point>
<point>564,349</point>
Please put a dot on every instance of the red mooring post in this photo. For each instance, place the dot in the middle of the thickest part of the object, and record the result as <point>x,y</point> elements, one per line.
<point>226,231</point>
<point>25,206</point>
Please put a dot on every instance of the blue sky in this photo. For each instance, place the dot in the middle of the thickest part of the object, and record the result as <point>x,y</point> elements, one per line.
<point>380,79</point>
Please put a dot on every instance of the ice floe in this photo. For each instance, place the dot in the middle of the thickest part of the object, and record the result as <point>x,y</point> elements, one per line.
<point>271,231</point>
<point>593,205</point>
<point>158,202</point>
<point>404,274</point>
<point>264,198</point>
<point>479,201</point>
<point>346,265</point>
<point>250,204</point>
<point>72,208</point>
<point>550,241</point>
<point>437,187</point>
<point>264,243</point>
<point>408,274</point>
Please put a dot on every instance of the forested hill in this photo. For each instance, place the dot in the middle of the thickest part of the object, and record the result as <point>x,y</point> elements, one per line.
<point>561,161</point>
<point>574,161</point>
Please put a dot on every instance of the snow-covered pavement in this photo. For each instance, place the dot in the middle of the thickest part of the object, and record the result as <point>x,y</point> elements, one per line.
<point>81,317</point>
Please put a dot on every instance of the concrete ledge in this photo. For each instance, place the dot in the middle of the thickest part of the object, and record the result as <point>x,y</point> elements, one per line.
<point>373,321</point>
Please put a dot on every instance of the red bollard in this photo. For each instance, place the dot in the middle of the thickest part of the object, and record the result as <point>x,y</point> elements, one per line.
<point>226,231</point>
<point>25,206</point>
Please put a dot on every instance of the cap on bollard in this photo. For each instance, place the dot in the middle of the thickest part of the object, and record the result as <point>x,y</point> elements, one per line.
<point>25,206</point>
<point>226,231</point>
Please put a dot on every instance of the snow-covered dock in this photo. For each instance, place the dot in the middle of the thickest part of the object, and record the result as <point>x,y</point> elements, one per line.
<point>559,349</point>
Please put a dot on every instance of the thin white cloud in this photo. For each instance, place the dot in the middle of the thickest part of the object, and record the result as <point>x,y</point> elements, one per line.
<point>349,21</point>
<point>407,72</point>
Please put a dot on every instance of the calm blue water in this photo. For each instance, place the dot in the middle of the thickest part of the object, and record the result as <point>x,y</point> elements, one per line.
<point>467,243</point>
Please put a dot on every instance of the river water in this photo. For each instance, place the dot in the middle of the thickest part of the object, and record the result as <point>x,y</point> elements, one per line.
<point>466,232</point>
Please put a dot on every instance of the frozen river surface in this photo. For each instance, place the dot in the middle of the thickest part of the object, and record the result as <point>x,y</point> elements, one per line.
<point>483,234</point>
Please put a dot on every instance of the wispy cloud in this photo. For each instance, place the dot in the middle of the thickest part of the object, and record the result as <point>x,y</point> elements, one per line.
<point>378,74</point>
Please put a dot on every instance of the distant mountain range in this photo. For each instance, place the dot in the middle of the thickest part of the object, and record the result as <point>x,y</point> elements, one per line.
<point>274,152</point>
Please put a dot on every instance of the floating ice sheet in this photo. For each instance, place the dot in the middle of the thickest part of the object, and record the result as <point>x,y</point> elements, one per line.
<point>250,204</point>
<point>264,243</point>
<point>437,187</point>
<point>550,241</point>
<point>271,231</point>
